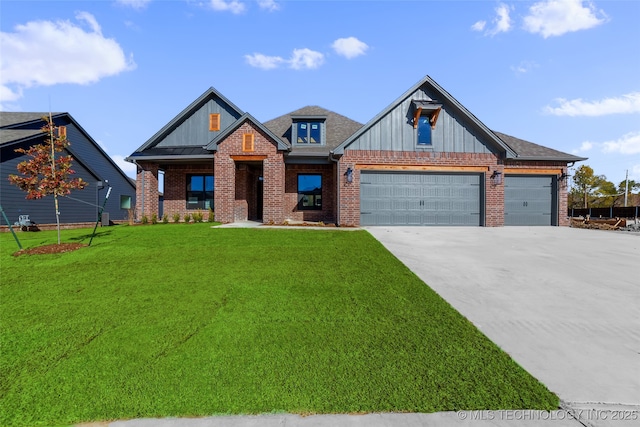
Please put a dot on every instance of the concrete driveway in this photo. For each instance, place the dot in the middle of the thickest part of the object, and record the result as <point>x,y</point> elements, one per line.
<point>563,302</point>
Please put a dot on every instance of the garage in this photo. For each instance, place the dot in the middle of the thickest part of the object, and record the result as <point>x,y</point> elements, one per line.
<point>530,200</point>
<point>415,198</point>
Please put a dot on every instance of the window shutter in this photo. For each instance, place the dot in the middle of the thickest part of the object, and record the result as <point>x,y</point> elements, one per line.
<point>62,131</point>
<point>214,122</point>
<point>247,142</point>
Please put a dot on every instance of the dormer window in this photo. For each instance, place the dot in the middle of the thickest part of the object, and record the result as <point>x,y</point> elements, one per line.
<point>308,131</point>
<point>425,117</point>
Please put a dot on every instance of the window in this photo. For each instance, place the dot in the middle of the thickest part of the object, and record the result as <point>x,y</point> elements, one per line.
<point>424,130</point>
<point>214,122</point>
<point>309,192</point>
<point>125,202</point>
<point>308,132</point>
<point>199,191</point>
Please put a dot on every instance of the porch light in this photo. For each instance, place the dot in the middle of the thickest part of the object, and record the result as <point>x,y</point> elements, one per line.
<point>349,175</point>
<point>496,178</point>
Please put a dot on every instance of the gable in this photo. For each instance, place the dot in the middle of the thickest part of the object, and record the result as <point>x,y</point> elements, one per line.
<point>456,129</point>
<point>192,126</point>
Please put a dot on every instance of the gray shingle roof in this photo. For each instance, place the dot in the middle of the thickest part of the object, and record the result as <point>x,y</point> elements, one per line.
<point>338,128</point>
<point>8,118</point>
<point>529,151</point>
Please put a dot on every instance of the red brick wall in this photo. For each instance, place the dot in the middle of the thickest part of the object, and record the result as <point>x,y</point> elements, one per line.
<point>328,212</point>
<point>230,199</point>
<point>147,197</point>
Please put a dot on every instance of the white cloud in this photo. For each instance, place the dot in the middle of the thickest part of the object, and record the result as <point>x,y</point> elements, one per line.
<point>349,47</point>
<point>502,20</point>
<point>45,53</point>
<point>265,62</point>
<point>634,173</point>
<point>557,17</point>
<point>524,67</point>
<point>584,147</point>
<point>136,4</point>
<point>479,26</point>
<point>128,168</point>
<point>625,104</point>
<point>269,5</point>
<point>233,6</point>
<point>627,144</point>
<point>306,58</point>
<point>501,23</point>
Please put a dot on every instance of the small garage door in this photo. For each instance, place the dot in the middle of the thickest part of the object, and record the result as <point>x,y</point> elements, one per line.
<point>419,199</point>
<point>529,200</point>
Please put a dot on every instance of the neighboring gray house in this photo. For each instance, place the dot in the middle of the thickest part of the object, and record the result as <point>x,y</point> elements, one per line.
<point>90,162</point>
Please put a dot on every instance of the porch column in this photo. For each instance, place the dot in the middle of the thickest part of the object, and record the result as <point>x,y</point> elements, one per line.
<point>147,190</point>
<point>273,189</point>
<point>225,187</point>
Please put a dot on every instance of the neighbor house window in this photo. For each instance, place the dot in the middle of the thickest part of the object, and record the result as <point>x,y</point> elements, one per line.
<point>309,192</point>
<point>199,191</point>
<point>308,132</point>
<point>424,131</point>
<point>125,202</point>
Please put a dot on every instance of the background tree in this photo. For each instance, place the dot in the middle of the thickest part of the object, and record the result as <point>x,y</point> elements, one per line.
<point>586,184</point>
<point>44,174</point>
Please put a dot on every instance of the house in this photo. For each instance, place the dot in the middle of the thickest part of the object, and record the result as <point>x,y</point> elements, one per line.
<point>90,162</point>
<point>423,160</point>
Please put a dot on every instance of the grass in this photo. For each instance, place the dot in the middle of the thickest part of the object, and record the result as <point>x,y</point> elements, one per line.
<point>185,320</point>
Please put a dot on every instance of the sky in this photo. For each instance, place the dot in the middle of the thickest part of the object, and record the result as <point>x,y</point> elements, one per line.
<point>560,73</point>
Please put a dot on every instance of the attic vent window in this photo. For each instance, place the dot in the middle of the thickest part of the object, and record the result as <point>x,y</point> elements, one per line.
<point>214,122</point>
<point>247,142</point>
<point>62,131</point>
<point>425,109</point>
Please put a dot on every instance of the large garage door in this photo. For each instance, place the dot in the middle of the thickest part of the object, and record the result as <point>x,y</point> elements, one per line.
<point>419,199</point>
<point>529,200</point>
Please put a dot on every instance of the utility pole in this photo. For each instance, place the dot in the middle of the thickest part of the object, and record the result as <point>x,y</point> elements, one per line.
<point>626,188</point>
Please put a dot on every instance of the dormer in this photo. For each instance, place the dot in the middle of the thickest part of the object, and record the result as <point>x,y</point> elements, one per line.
<point>308,130</point>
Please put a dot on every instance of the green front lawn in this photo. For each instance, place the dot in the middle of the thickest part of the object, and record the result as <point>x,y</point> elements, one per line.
<point>186,320</point>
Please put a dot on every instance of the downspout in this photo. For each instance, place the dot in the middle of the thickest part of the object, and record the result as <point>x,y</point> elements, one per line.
<point>337,162</point>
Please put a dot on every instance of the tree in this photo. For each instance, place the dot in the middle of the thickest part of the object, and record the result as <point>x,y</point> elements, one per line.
<point>45,174</point>
<point>585,183</point>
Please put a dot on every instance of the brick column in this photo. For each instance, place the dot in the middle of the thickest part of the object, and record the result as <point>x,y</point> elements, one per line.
<point>225,187</point>
<point>494,193</point>
<point>147,191</point>
<point>273,189</point>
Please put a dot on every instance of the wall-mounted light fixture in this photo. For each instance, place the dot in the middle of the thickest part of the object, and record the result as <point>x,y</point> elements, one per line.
<point>349,175</point>
<point>496,178</point>
<point>563,178</point>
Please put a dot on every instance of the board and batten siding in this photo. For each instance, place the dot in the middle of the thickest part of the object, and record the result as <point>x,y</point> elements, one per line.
<point>395,132</point>
<point>194,131</point>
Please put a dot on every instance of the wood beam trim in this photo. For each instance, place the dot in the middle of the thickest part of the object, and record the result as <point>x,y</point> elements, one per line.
<point>416,116</point>
<point>248,158</point>
<point>532,171</point>
<point>434,118</point>
<point>431,168</point>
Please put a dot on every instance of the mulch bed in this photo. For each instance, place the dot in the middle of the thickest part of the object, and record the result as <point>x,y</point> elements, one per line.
<point>51,249</point>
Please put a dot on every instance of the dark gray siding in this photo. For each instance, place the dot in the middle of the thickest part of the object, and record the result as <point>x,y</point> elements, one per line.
<point>194,131</point>
<point>395,132</point>
<point>90,163</point>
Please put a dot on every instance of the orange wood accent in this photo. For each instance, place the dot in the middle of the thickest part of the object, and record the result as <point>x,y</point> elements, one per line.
<point>214,122</point>
<point>424,168</point>
<point>532,171</point>
<point>247,142</point>
<point>248,157</point>
<point>434,118</point>
<point>62,131</point>
<point>416,116</point>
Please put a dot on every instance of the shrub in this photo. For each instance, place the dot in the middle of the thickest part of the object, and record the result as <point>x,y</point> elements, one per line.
<point>154,218</point>
<point>212,216</point>
<point>197,216</point>
<point>187,217</point>
<point>165,219</point>
<point>176,217</point>
<point>145,220</point>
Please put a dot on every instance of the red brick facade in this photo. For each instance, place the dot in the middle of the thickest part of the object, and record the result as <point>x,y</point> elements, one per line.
<point>328,212</point>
